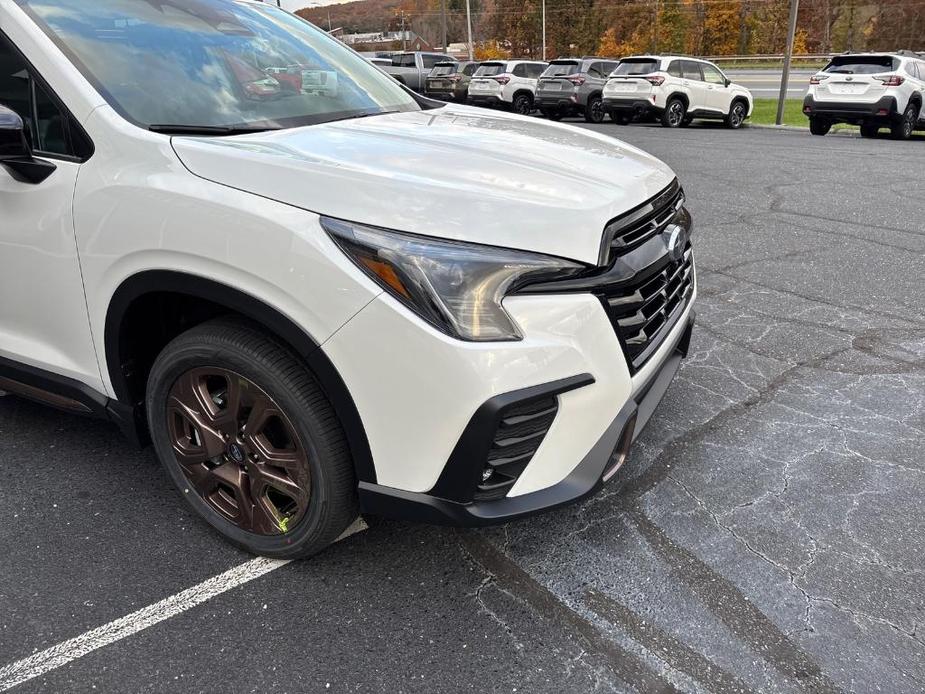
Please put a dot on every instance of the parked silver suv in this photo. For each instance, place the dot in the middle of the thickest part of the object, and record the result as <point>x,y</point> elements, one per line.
<point>572,87</point>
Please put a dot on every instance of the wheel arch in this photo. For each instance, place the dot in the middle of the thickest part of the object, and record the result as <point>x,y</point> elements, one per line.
<point>203,299</point>
<point>679,95</point>
<point>523,91</point>
<point>741,98</point>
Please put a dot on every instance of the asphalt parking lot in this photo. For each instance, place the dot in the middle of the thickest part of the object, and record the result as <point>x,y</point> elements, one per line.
<point>766,534</point>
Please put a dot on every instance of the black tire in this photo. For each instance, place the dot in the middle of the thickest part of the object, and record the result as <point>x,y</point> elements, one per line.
<point>869,129</point>
<point>819,126</point>
<point>902,129</point>
<point>551,113</point>
<point>736,116</point>
<point>594,111</point>
<point>674,113</point>
<point>523,104</point>
<point>244,349</point>
<point>687,121</point>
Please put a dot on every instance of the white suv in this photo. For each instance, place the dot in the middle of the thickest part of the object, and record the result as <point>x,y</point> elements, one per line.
<point>873,90</point>
<point>674,89</point>
<point>326,296</point>
<point>509,83</point>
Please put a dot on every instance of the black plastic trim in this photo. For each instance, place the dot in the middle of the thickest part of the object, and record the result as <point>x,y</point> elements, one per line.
<point>317,361</point>
<point>79,139</point>
<point>582,482</point>
<point>463,470</point>
<point>91,402</point>
<point>852,111</point>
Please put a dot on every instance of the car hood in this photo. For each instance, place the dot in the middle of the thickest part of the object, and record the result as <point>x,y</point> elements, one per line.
<point>454,172</point>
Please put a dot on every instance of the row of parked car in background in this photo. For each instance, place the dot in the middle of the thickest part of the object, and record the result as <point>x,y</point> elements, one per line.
<point>671,89</point>
<point>871,90</point>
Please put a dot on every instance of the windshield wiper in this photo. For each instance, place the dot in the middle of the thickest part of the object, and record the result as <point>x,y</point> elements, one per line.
<point>205,129</point>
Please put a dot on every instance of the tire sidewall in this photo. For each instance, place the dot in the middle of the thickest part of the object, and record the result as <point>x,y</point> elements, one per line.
<point>595,111</point>
<point>163,375</point>
<point>523,99</point>
<point>669,107</point>
<point>735,122</point>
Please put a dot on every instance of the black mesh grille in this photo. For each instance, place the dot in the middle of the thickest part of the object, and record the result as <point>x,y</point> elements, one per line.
<point>644,311</point>
<point>640,225</point>
<point>520,432</point>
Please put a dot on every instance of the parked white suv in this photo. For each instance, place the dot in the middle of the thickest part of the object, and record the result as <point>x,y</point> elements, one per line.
<point>510,83</point>
<point>321,301</point>
<point>675,90</point>
<point>873,90</point>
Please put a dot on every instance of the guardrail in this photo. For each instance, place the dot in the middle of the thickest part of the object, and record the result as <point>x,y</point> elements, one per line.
<point>767,57</point>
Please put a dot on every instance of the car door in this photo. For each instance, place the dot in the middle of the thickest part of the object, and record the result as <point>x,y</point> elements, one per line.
<point>694,86</point>
<point>719,96</point>
<point>43,312</point>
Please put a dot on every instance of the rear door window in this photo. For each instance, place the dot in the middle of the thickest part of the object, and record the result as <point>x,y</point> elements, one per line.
<point>691,70</point>
<point>636,66</point>
<point>534,70</point>
<point>861,65</point>
<point>403,60</point>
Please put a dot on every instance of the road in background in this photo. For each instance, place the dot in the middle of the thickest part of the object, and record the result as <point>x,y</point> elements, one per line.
<point>765,534</point>
<point>765,83</point>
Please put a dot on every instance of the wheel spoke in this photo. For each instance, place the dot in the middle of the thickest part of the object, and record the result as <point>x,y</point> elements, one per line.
<point>187,398</point>
<point>255,475</point>
<point>286,458</point>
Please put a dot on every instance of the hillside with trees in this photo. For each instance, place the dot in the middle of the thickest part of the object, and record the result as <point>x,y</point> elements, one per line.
<point>614,28</point>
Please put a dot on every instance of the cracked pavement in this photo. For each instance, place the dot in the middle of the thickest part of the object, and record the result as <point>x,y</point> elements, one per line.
<point>766,533</point>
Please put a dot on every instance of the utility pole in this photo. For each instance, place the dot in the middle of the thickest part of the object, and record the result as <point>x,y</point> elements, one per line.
<point>329,21</point>
<point>655,48</point>
<point>469,29</point>
<point>785,75</point>
<point>403,42</point>
<point>544,29</point>
<point>443,22</point>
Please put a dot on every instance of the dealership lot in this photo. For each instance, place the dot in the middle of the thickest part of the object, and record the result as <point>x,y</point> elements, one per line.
<point>765,534</point>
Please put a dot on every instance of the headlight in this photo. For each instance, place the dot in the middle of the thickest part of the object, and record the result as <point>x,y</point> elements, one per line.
<point>458,287</point>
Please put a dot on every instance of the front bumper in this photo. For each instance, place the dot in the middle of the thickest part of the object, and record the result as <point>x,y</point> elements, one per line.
<point>597,466</point>
<point>883,110</point>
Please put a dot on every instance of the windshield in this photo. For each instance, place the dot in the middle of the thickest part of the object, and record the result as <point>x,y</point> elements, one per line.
<point>560,69</point>
<point>489,69</point>
<point>636,67</point>
<point>862,65</point>
<point>215,63</point>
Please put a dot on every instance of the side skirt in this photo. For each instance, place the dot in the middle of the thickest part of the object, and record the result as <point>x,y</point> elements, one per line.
<point>68,395</point>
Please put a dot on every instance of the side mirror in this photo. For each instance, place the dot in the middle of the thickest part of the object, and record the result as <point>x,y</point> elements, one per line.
<point>16,153</point>
<point>728,81</point>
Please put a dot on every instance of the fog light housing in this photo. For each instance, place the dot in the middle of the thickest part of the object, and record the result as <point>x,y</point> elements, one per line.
<point>622,450</point>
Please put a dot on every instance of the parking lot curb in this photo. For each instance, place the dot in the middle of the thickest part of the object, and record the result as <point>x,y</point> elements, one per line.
<point>795,128</point>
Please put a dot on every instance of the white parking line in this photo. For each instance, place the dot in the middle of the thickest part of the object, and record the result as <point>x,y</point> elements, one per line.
<point>63,653</point>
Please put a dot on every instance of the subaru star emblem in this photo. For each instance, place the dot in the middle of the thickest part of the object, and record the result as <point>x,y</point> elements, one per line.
<point>675,240</point>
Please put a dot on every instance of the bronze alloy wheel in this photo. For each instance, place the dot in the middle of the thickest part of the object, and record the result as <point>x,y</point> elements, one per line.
<point>238,450</point>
